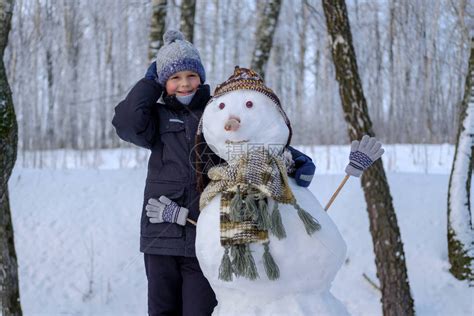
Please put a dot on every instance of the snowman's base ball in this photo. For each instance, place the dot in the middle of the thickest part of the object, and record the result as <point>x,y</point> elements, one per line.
<point>236,303</point>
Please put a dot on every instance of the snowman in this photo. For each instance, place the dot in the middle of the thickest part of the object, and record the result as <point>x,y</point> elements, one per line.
<point>265,244</point>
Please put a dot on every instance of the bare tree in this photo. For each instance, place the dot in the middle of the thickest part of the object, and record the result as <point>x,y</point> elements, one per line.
<point>388,246</point>
<point>49,135</point>
<point>73,34</point>
<point>264,35</point>
<point>460,226</point>
<point>157,27</point>
<point>302,27</point>
<point>9,291</point>
<point>188,10</point>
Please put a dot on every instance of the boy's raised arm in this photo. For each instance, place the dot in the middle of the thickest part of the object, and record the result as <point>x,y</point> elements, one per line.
<point>136,117</point>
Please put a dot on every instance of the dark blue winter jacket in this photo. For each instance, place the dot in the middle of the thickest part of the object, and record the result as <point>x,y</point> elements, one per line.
<point>168,130</point>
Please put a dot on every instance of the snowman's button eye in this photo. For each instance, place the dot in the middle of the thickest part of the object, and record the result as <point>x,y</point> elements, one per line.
<point>249,104</point>
<point>221,106</point>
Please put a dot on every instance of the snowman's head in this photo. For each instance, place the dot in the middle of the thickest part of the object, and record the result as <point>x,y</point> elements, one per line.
<point>244,114</point>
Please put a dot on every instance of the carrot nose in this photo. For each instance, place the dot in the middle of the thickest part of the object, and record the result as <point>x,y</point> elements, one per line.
<point>232,124</point>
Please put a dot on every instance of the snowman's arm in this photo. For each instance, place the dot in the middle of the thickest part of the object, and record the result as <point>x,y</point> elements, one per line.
<point>304,167</point>
<point>136,117</point>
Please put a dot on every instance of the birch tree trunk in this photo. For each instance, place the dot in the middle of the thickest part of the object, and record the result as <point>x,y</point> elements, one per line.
<point>388,246</point>
<point>460,229</point>
<point>188,10</point>
<point>301,68</point>
<point>264,36</point>
<point>157,28</point>
<point>73,34</point>
<point>9,291</point>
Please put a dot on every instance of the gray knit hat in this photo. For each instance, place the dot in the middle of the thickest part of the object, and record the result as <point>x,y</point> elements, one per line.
<point>177,55</point>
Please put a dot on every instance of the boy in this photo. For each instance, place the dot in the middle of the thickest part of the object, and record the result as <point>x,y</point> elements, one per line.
<point>176,284</point>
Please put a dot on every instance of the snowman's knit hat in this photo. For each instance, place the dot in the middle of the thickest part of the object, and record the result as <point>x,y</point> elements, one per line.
<point>247,79</point>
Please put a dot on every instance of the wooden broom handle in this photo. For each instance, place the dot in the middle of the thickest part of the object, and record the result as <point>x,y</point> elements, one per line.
<point>333,197</point>
<point>191,221</point>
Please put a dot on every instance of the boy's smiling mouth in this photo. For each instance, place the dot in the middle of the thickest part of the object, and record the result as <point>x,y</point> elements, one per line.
<point>184,92</point>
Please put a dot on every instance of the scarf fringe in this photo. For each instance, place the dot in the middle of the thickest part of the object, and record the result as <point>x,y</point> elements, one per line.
<point>250,208</point>
<point>225,269</point>
<point>251,271</point>
<point>243,263</point>
<point>264,221</point>
<point>271,268</point>
<point>236,205</point>
<point>238,259</point>
<point>277,227</point>
<point>310,223</point>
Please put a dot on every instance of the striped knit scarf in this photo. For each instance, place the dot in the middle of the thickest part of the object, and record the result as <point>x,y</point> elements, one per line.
<point>246,186</point>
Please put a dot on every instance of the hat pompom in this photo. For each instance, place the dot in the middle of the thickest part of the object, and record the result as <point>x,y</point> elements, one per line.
<point>171,36</point>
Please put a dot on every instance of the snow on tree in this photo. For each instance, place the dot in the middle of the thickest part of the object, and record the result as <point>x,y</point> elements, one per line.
<point>460,225</point>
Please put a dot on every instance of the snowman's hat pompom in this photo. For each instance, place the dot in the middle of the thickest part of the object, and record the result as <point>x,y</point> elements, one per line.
<point>171,36</point>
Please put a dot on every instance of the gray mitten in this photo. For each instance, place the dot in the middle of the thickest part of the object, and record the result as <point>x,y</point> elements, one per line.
<point>363,154</point>
<point>165,210</point>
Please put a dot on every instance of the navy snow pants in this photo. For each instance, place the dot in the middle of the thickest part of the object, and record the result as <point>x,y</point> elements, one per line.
<point>177,286</point>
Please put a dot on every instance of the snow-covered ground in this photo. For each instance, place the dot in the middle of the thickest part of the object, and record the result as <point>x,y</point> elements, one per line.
<point>76,225</point>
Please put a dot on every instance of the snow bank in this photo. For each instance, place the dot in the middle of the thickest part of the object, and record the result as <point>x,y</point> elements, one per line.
<point>329,159</point>
<point>77,237</point>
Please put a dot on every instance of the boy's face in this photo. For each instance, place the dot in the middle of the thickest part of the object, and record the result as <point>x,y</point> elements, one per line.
<point>183,83</point>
